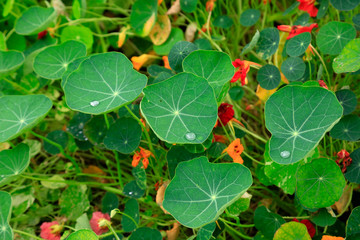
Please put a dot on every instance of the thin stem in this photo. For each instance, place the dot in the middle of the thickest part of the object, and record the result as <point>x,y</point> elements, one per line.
<point>323,63</point>
<point>113,231</point>
<point>298,217</point>
<point>118,166</point>
<point>27,234</point>
<point>253,159</point>
<point>250,133</point>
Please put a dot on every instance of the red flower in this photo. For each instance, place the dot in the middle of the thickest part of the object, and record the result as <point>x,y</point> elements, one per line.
<point>210,5</point>
<point>244,68</point>
<point>42,34</point>
<point>310,228</point>
<point>225,113</point>
<point>296,30</point>
<point>99,222</point>
<point>323,84</point>
<point>344,159</point>
<point>308,6</point>
<point>50,230</point>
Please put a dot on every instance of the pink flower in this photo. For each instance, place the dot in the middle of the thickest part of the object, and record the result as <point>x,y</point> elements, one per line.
<point>50,230</point>
<point>99,222</point>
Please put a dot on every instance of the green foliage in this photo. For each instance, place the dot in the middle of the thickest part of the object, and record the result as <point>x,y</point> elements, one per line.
<point>349,58</point>
<point>267,222</point>
<point>5,214</point>
<point>292,230</point>
<point>35,20</point>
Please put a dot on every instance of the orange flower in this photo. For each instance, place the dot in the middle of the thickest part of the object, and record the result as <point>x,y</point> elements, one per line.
<point>244,68</point>
<point>234,150</point>
<point>143,155</point>
<point>297,29</point>
<point>122,36</point>
<point>166,62</point>
<point>327,237</point>
<point>159,2</point>
<point>210,5</point>
<point>139,61</point>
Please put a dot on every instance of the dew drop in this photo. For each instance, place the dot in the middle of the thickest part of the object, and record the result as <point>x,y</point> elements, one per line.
<point>285,154</point>
<point>190,136</point>
<point>94,103</point>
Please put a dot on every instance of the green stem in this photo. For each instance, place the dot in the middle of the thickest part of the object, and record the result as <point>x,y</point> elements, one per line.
<point>118,166</point>
<point>253,159</point>
<point>238,224</point>
<point>113,231</point>
<point>297,217</point>
<point>250,133</point>
<point>106,121</point>
<point>103,44</point>
<point>27,234</point>
<point>17,86</point>
<point>126,215</point>
<point>108,234</point>
<point>237,232</point>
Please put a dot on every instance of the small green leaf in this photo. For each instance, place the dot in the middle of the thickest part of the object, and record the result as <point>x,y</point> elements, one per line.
<point>302,20</point>
<point>82,222</point>
<point>319,183</point>
<point>20,113</point>
<point>34,20</point>
<point>10,61</point>
<point>95,129</point>
<point>56,181</point>
<point>353,171</point>
<point>268,42</point>
<point>293,68</point>
<point>267,222</point>
<point>268,77</point>
<point>76,125</point>
<point>347,99</point>
<point>133,190</point>
<point>348,128</point>
<point>205,233</point>
<point>203,44</point>
<point>292,230</point>
<point>181,109</point>
<point>349,58</point>
<point>110,82</point>
<point>145,233</point>
<point>291,8</point>
<point>249,17</point>
<point>109,202</point>
<point>297,45</point>
<point>71,68</point>
<point>83,234</point>
<point>59,137</point>
<point>143,16</point>
<point>14,161</point>
<point>323,218</point>
<point>78,33</point>
<point>131,218</point>
<point>248,47</point>
<point>236,93</point>
<point>344,5</point>
<point>188,5</point>
<point>175,36</point>
<point>8,7</point>
<point>333,37</point>
<point>178,53</point>
<point>324,5</point>
<point>223,22</point>
<point>241,205</point>
<point>213,188</point>
<point>74,201</point>
<point>5,214</point>
<point>140,176</point>
<point>353,223</point>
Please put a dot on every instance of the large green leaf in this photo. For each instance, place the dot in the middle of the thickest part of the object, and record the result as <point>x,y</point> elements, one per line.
<point>200,191</point>
<point>348,128</point>
<point>292,230</point>
<point>182,109</point>
<point>34,20</point>
<point>83,234</point>
<point>131,218</point>
<point>178,53</point>
<point>206,232</point>
<point>333,37</point>
<point>268,77</point>
<point>323,218</point>
<point>297,45</point>
<point>143,16</point>
<point>349,59</point>
<point>14,161</point>
<point>20,113</point>
<point>78,33</point>
<point>267,222</point>
<point>353,171</point>
<point>319,183</point>
<point>298,117</point>
<point>345,5</point>
<point>353,223</point>
<point>74,201</point>
<point>10,61</point>
<point>102,83</point>
<point>5,214</point>
<point>214,66</point>
<point>53,61</point>
<point>268,42</point>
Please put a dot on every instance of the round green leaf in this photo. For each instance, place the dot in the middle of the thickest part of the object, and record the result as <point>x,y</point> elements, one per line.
<point>249,17</point>
<point>236,93</point>
<point>74,202</point>
<point>268,42</point>
<point>344,5</point>
<point>130,221</point>
<point>248,47</point>
<point>83,234</point>
<point>319,183</point>
<point>292,230</point>
<point>293,68</point>
<point>76,125</point>
<point>175,36</point>
<point>241,205</point>
<point>95,129</point>
<point>71,68</point>
<point>291,8</point>
<point>353,223</point>
<point>333,37</point>
<point>145,233</point>
<point>347,99</point>
<point>143,16</point>
<point>353,171</point>
<point>223,22</point>
<point>203,44</point>
<point>267,222</point>
<point>347,129</point>
<point>124,135</point>
<point>178,53</point>
<point>14,161</point>
<point>79,33</point>
<point>58,136</point>
<point>214,66</point>
<point>109,202</point>
<point>349,59</point>
<point>133,190</point>
<point>34,20</point>
<point>10,61</point>
<point>182,109</point>
<point>298,117</point>
<point>200,191</point>
<point>53,61</point>
<point>298,44</point>
<point>356,21</point>
<point>268,77</point>
<point>302,20</point>
<point>20,113</point>
<point>324,5</point>
<point>102,83</point>
<point>206,232</point>
<point>323,218</point>
<point>5,214</point>
<point>139,174</point>
<point>188,5</point>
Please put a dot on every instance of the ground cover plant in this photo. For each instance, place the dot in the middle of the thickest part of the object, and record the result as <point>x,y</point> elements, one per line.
<point>181,119</point>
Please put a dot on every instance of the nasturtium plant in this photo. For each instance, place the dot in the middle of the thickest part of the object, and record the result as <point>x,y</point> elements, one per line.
<point>269,77</point>
<point>292,230</point>
<point>175,36</point>
<point>143,16</point>
<point>348,128</point>
<point>5,214</point>
<point>14,161</point>
<point>345,5</point>
<point>297,45</point>
<point>10,61</point>
<point>131,216</point>
<point>178,53</point>
<point>268,42</point>
<point>348,60</point>
<point>83,234</point>
<point>34,20</point>
<point>188,5</point>
<point>347,99</point>
<point>353,223</point>
<point>249,17</point>
<point>267,222</point>
<point>293,68</point>
<point>223,22</point>
<point>81,34</point>
<point>353,171</point>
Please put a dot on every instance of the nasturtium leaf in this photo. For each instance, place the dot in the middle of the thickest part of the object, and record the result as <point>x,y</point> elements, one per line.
<point>130,221</point>
<point>353,171</point>
<point>5,214</point>
<point>95,129</point>
<point>182,109</point>
<point>239,206</point>
<point>74,201</point>
<point>349,58</point>
<point>59,137</point>
<point>298,44</point>
<point>82,222</point>
<point>76,125</point>
<point>302,20</point>
<point>109,202</point>
<point>248,47</point>
<point>20,113</point>
<point>102,83</point>
<point>83,234</point>
<point>298,117</point>
<point>319,183</point>
<point>34,20</point>
<point>223,21</point>
<point>133,190</point>
<point>161,30</point>
<point>347,99</point>
<point>78,33</point>
<point>145,233</point>
<point>135,109</point>
<point>344,5</point>
<point>206,232</point>
<point>162,77</point>
<point>324,5</point>
<point>178,53</point>
<point>203,44</point>
<point>291,8</point>
<point>188,5</point>
<point>267,222</point>
<point>155,70</point>
<point>200,191</point>
<point>323,218</point>
<point>236,93</point>
<point>124,135</point>
<point>268,77</point>
<point>14,161</point>
<point>175,36</point>
<point>356,21</point>
<point>53,61</point>
<point>333,37</point>
<point>70,68</point>
<point>140,176</point>
<point>292,230</point>
<point>54,182</point>
<point>268,42</point>
<point>348,128</point>
<point>199,148</point>
<point>249,17</point>
<point>293,68</point>
<point>214,66</point>
<point>8,7</point>
<point>353,223</point>
<point>143,16</point>
<point>10,61</point>
<point>216,149</point>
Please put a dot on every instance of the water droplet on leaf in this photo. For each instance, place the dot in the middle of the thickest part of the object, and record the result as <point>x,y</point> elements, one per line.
<point>94,103</point>
<point>285,154</point>
<point>190,136</point>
